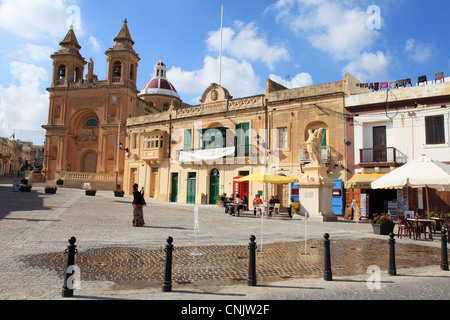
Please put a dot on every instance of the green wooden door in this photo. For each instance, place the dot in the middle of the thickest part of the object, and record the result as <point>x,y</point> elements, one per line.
<point>174,196</point>
<point>190,191</point>
<point>214,187</point>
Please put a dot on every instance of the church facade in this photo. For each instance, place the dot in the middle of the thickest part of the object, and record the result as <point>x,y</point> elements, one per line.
<point>86,130</point>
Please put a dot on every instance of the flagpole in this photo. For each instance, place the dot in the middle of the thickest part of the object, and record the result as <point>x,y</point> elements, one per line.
<point>221,37</point>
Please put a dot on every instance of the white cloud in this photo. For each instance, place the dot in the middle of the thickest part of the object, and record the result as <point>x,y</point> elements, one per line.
<point>368,66</point>
<point>333,27</point>
<point>247,43</point>
<point>34,53</point>
<point>35,19</point>
<point>338,28</point>
<point>300,80</point>
<point>419,52</point>
<point>95,44</point>
<point>22,105</point>
<point>238,77</point>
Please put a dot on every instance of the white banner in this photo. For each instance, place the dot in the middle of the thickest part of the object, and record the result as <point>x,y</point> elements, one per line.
<point>205,155</point>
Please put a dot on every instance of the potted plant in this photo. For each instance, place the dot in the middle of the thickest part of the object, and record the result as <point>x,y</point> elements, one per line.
<point>25,188</point>
<point>91,192</point>
<point>51,189</point>
<point>382,225</point>
<point>119,193</point>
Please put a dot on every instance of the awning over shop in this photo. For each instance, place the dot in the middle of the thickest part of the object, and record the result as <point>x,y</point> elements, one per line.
<point>362,180</point>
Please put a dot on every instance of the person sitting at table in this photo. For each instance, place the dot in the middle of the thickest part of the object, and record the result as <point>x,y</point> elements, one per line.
<point>232,204</point>
<point>271,204</point>
<point>244,204</point>
<point>223,200</point>
<point>257,203</point>
<point>226,200</point>
<point>272,199</point>
<point>276,200</point>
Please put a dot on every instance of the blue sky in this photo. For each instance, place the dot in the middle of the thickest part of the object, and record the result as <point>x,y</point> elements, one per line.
<point>294,42</point>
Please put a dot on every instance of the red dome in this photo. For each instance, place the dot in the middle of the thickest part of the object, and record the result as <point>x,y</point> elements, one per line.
<point>159,83</point>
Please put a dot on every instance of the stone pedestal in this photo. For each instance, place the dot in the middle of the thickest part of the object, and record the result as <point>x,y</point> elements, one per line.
<point>315,190</point>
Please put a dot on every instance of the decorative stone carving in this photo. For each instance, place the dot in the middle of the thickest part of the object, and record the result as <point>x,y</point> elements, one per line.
<point>313,146</point>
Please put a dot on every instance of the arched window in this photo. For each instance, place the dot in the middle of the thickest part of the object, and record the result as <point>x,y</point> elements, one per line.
<point>132,73</point>
<point>77,76</point>
<point>61,75</point>
<point>62,71</point>
<point>117,70</point>
<point>91,123</point>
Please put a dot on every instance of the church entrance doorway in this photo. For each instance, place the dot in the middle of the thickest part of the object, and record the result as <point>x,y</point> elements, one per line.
<point>90,162</point>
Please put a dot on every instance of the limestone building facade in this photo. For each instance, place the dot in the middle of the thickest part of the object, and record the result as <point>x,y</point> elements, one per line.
<point>193,154</point>
<point>389,128</point>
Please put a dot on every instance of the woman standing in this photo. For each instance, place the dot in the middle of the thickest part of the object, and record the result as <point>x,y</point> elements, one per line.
<point>138,214</point>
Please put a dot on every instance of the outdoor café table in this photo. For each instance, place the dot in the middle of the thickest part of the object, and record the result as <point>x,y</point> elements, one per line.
<point>267,208</point>
<point>439,222</point>
<point>425,222</point>
<point>236,206</point>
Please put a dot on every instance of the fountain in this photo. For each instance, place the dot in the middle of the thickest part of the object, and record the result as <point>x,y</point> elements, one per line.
<point>306,232</point>
<point>196,253</point>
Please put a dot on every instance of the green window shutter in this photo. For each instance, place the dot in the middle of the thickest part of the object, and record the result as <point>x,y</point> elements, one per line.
<point>187,140</point>
<point>323,142</point>
<point>242,139</point>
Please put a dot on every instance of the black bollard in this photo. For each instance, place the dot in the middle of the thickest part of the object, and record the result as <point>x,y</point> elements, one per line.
<point>392,267</point>
<point>167,284</point>
<point>251,281</point>
<point>67,291</point>
<point>444,252</point>
<point>327,274</point>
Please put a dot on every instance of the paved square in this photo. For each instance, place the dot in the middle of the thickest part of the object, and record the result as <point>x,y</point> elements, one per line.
<point>121,261</point>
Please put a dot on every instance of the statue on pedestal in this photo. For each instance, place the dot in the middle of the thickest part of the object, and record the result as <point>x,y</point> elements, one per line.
<point>313,146</point>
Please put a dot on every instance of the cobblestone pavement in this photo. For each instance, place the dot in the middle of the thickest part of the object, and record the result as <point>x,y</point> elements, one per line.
<point>119,261</point>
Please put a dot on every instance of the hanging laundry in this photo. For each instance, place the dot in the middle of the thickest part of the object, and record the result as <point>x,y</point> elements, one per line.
<point>422,79</point>
<point>392,84</point>
<point>408,81</point>
<point>376,86</point>
<point>401,83</point>
<point>383,85</point>
<point>439,76</point>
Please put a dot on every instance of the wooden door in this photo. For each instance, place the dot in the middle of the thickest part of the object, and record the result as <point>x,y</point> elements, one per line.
<point>191,188</point>
<point>214,186</point>
<point>133,179</point>
<point>174,193</point>
<point>90,162</point>
<point>154,182</point>
<point>379,144</point>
